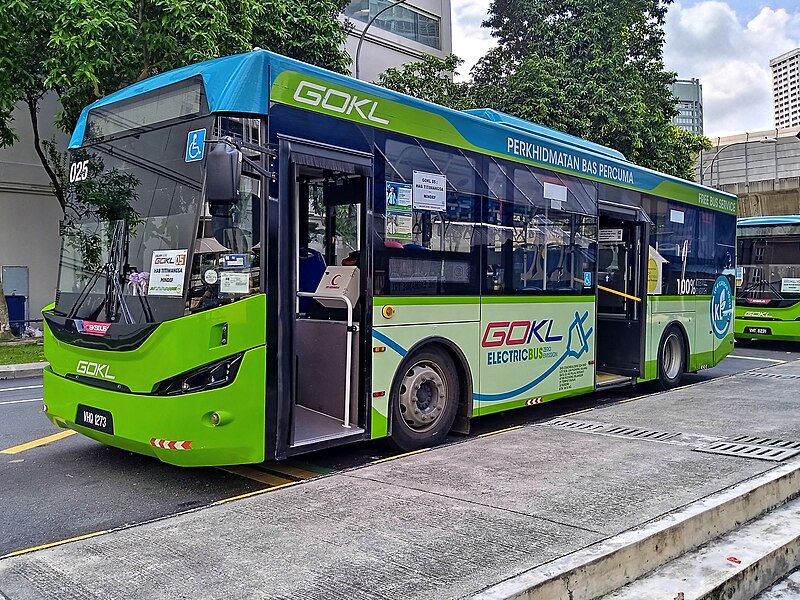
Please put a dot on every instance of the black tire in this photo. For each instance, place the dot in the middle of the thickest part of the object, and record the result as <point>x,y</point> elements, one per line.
<point>671,358</point>
<point>423,417</point>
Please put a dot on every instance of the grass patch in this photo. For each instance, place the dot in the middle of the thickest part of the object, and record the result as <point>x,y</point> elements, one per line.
<point>11,354</point>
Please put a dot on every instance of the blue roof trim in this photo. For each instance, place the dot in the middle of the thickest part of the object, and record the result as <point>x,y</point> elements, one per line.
<point>773,220</point>
<point>559,136</point>
<point>229,83</point>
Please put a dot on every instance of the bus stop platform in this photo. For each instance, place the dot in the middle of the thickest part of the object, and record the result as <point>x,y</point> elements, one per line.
<point>574,508</point>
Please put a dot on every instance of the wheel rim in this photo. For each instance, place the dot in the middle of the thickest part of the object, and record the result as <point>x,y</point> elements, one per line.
<point>672,356</point>
<point>423,396</point>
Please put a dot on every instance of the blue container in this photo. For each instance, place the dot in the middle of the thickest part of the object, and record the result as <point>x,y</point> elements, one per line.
<point>16,313</point>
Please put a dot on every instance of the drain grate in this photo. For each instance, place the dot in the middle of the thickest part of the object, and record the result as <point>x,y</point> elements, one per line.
<point>776,450</point>
<point>642,434</point>
<point>769,375</point>
<point>613,430</point>
<point>760,441</point>
<point>575,425</point>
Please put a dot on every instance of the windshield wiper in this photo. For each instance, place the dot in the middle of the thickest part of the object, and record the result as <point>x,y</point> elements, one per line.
<point>114,270</point>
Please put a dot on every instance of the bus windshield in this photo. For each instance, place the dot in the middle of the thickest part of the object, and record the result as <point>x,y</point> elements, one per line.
<point>131,223</point>
<point>769,269</point>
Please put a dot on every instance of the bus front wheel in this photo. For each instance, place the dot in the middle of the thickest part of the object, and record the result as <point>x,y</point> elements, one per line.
<point>671,358</point>
<point>424,400</point>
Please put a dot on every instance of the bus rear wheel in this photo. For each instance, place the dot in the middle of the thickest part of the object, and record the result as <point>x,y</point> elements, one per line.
<point>424,400</point>
<point>671,358</point>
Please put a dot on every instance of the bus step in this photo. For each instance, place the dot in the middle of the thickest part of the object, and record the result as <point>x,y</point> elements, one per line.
<point>611,380</point>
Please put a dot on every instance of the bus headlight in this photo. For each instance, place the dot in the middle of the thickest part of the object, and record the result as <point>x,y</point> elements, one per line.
<point>207,377</point>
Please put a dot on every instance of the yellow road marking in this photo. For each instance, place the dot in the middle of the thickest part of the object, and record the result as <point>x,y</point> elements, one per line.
<point>40,442</point>
<point>577,412</point>
<point>388,458</point>
<point>255,493</point>
<point>500,431</point>
<point>256,475</point>
<point>632,399</point>
<point>290,470</point>
<point>53,544</point>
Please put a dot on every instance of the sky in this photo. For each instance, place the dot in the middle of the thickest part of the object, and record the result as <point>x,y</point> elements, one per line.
<point>727,45</point>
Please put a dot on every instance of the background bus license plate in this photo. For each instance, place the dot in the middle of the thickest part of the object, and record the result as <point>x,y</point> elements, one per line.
<point>95,418</point>
<point>758,330</point>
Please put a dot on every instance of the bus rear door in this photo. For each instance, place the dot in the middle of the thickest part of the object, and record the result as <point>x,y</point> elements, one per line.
<point>621,294</point>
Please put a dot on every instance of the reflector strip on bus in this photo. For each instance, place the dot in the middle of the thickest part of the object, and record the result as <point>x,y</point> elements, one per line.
<point>171,444</point>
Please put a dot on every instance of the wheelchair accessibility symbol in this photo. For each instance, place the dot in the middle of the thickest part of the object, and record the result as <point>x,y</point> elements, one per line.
<point>195,145</point>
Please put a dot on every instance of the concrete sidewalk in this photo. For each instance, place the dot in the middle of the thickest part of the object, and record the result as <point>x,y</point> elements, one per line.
<point>447,523</point>
<point>23,370</point>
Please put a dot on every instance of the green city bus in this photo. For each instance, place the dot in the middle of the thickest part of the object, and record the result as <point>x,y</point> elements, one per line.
<point>267,258</point>
<point>768,278</point>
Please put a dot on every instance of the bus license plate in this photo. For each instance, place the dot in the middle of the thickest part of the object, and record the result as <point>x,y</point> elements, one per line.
<point>758,330</point>
<point>95,418</point>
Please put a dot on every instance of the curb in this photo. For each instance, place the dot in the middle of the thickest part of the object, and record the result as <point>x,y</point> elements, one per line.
<point>613,563</point>
<point>758,554</point>
<point>22,370</point>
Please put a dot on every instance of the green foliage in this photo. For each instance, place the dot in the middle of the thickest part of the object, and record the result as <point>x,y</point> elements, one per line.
<point>679,154</point>
<point>82,50</point>
<point>592,68</point>
<point>430,79</point>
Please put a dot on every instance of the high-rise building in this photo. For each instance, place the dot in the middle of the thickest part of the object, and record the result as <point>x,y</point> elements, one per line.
<point>403,32</point>
<point>689,93</point>
<point>785,83</point>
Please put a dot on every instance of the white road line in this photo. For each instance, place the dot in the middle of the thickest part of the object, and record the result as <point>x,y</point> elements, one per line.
<point>22,387</point>
<point>772,360</point>
<point>21,401</point>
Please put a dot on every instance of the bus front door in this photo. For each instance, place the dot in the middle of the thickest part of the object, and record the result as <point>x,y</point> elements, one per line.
<point>328,192</point>
<point>621,298</point>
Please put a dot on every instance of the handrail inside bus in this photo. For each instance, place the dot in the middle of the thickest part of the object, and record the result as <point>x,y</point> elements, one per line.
<point>349,351</point>
<point>618,293</point>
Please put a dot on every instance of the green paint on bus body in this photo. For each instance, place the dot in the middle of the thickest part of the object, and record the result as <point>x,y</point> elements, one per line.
<point>174,347</point>
<point>780,324</point>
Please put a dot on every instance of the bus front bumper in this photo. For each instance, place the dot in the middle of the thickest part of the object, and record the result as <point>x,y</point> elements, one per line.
<point>751,329</point>
<point>179,430</point>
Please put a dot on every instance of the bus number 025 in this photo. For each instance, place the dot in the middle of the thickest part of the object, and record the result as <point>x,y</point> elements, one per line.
<point>79,171</point>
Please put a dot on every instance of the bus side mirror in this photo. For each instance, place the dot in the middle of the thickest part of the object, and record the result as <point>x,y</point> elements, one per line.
<point>223,171</point>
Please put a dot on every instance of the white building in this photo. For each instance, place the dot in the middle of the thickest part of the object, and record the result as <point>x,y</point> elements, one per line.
<point>689,93</point>
<point>785,84</point>
<point>404,32</point>
<point>29,215</point>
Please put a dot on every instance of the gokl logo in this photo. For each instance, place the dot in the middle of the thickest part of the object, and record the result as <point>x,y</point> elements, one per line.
<point>93,369</point>
<point>517,333</point>
<point>178,260</point>
<point>757,313</point>
<point>337,101</point>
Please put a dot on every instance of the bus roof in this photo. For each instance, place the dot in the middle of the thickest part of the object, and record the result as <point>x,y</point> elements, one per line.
<point>248,83</point>
<point>769,220</point>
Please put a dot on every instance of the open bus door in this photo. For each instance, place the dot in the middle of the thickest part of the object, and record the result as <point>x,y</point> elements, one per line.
<point>322,273</point>
<point>621,294</point>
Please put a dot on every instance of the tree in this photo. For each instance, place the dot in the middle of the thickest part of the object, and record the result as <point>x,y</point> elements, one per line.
<point>430,79</point>
<point>81,50</point>
<point>592,68</point>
